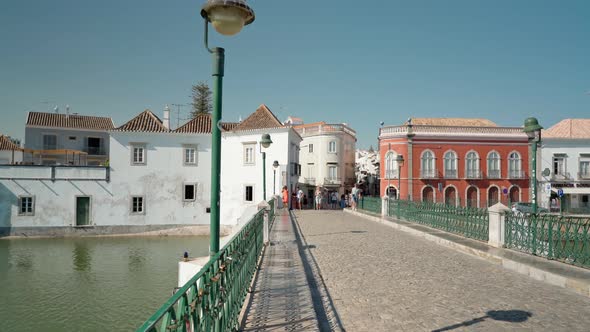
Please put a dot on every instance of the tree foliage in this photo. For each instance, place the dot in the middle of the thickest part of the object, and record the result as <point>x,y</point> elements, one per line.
<point>201,95</point>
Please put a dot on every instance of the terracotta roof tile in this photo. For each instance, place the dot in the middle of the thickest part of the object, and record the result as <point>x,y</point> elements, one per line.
<point>453,122</point>
<point>202,125</point>
<point>7,144</point>
<point>262,118</point>
<point>569,128</point>
<point>146,121</point>
<point>77,121</point>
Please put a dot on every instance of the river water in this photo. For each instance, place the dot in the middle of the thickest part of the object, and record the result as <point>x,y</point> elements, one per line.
<point>88,284</point>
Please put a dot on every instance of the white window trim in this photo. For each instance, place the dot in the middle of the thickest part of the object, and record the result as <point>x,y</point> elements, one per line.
<point>455,160</point>
<point>253,193</point>
<point>245,146</point>
<point>186,147</point>
<point>335,147</point>
<point>32,213</point>
<point>142,205</point>
<point>194,184</point>
<point>132,153</point>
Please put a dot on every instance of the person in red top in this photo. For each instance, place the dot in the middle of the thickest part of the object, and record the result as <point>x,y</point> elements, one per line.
<point>285,197</point>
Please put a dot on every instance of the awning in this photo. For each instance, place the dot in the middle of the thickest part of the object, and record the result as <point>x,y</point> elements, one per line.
<point>569,191</point>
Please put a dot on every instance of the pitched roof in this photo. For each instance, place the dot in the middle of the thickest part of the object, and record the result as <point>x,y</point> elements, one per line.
<point>69,121</point>
<point>7,144</point>
<point>146,121</point>
<point>454,122</point>
<point>201,124</point>
<point>569,128</point>
<point>262,118</point>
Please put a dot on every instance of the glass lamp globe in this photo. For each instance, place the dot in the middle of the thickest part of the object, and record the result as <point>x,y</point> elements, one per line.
<point>228,17</point>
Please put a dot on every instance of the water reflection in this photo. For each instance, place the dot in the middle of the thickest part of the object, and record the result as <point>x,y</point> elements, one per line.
<point>82,257</point>
<point>136,259</point>
<point>24,261</point>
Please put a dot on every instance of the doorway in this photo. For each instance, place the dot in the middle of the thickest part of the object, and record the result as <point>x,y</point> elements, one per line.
<point>82,210</point>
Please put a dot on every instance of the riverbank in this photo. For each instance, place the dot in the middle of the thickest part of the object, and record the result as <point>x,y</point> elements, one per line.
<point>110,231</point>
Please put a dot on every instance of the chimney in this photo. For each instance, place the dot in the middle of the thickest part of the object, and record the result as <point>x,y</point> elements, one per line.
<point>166,121</point>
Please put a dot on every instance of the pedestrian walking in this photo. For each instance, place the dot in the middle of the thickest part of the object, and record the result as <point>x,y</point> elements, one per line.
<point>355,197</point>
<point>285,197</point>
<point>318,198</point>
<point>299,197</point>
<point>334,199</point>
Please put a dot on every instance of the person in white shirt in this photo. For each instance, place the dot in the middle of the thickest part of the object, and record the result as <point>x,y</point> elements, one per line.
<point>299,197</point>
<point>355,197</point>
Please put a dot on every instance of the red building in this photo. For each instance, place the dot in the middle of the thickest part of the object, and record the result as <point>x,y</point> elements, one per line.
<point>467,162</point>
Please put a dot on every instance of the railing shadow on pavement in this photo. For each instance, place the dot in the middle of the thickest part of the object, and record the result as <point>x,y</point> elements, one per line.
<point>512,316</point>
<point>334,233</point>
<point>323,304</point>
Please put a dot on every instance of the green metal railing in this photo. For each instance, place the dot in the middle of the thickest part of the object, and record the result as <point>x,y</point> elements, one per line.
<point>213,298</point>
<point>562,238</point>
<point>469,222</point>
<point>370,204</point>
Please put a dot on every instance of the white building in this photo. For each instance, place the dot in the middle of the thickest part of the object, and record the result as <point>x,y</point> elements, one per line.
<point>564,164</point>
<point>327,157</point>
<point>46,133</point>
<point>242,164</point>
<point>157,180</point>
<point>10,153</point>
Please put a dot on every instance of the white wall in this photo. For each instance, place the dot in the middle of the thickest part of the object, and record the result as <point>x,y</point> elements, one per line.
<point>8,156</point>
<point>235,175</point>
<point>161,181</point>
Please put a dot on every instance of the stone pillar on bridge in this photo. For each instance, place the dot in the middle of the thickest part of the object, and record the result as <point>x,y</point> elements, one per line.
<point>497,216</point>
<point>384,206</point>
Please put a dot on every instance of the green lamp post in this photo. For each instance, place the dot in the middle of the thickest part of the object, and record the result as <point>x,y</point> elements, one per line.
<point>228,17</point>
<point>533,131</point>
<point>275,165</point>
<point>400,162</point>
<point>265,142</point>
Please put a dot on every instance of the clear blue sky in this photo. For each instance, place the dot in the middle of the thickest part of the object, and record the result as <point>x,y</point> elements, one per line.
<point>359,62</point>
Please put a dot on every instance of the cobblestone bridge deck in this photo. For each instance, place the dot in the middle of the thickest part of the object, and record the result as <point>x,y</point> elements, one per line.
<point>331,271</point>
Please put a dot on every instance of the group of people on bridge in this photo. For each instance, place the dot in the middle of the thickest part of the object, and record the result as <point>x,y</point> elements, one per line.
<point>322,199</point>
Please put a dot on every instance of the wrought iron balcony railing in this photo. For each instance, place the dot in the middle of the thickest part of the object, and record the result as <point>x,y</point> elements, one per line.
<point>494,174</point>
<point>473,174</point>
<point>428,174</point>
<point>95,151</point>
<point>332,181</point>
<point>450,173</point>
<point>516,174</point>
<point>391,174</point>
<point>561,176</point>
<point>309,180</point>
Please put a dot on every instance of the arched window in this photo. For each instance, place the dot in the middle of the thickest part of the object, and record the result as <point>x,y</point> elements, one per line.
<point>427,168</point>
<point>515,166</point>
<point>494,165</point>
<point>332,147</point>
<point>390,165</point>
<point>472,165</point>
<point>450,165</point>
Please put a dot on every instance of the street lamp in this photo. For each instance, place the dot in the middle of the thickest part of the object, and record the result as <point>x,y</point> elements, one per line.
<point>265,142</point>
<point>533,131</point>
<point>275,164</point>
<point>227,17</point>
<point>400,162</point>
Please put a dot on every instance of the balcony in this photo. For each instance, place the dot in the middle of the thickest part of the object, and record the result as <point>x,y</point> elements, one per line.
<point>584,175</point>
<point>516,174</point>
<point>428,174</point>
<point>324,129</point>
<point>390,174</point>
<point>450,173</point>
<point>494,174</point>
<point>332,181</point>
<point>95,151</point>
<point>561,176</point>
<point>55,173</point>
<point>473,174</point>
<point>309,181</point>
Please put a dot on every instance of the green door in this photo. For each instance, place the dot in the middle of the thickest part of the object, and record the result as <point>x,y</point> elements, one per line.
<point>82,211</point>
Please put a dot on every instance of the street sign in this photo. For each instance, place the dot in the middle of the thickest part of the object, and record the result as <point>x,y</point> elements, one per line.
<point>505,191</point>
<point>548,187</point>
<point>560,192</point>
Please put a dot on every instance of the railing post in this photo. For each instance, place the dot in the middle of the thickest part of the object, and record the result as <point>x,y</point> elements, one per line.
<point>53,173</point>
<point>265,232</point>
<point>384,206</point>
<point>497,225</point>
